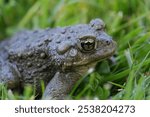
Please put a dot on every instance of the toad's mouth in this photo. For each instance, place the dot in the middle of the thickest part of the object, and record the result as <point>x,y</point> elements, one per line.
<point>99,55</point>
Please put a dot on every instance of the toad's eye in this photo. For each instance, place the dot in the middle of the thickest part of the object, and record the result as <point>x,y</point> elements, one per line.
<point>87,44</point>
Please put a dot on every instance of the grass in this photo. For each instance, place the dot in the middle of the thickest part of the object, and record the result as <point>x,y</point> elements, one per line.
<point>127,21</point>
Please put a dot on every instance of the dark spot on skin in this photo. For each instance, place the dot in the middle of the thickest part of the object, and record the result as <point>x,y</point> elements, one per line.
<point>40,44</point>
<point>68,37</point>
<point>47,40</point>
<point>58,41</point>
<point>108,42</point>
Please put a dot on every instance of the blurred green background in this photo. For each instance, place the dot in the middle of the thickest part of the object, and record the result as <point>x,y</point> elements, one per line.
<point>128,21</point>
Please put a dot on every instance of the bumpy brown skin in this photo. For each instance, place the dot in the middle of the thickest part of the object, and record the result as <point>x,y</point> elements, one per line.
<point>58,56</point>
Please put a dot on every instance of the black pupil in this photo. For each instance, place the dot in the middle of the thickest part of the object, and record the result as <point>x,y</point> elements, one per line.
<point>88,46</point>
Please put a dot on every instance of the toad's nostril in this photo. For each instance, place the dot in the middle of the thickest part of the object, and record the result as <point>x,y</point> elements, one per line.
<point>108,42</point>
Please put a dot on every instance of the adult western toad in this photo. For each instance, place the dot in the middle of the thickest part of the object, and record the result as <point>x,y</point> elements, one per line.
<point>58,57</point>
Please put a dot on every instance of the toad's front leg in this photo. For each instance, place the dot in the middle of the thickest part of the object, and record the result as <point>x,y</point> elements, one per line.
<point>60,85</point>
<point>9,75</point>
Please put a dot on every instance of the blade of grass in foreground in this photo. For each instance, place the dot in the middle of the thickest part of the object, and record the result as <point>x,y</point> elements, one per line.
<point>139,90</point>
<point>129,86</point>
<point>124,73</point>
